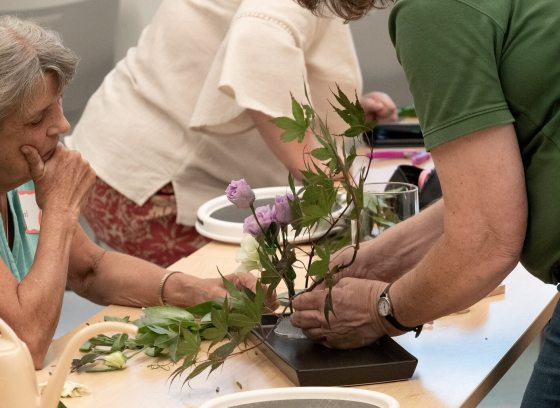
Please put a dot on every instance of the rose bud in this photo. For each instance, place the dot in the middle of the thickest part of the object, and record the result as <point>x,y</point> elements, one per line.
<point>116,360</point>
<point>240,193</point>
<point>282,210</point>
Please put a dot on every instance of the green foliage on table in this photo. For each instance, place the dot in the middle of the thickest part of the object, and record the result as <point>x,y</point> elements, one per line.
<point>176,334</point>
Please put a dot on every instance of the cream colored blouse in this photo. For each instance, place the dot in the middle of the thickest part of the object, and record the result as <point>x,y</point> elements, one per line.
<point>175,108</point>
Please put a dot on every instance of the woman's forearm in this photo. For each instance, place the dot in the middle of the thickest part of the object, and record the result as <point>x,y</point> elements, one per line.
<point>398,249</point>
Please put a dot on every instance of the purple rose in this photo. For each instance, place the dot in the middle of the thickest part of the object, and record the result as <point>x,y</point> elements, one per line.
<point>240,193</point>
<point>250,226</point>
<point>282,209</point>
<point>265,215</point>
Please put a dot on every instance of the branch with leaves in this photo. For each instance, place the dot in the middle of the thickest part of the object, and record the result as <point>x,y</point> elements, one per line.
<point>175,335</point>
<point>268,247</point>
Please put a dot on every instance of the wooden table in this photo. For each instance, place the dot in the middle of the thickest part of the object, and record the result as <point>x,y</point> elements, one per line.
<point>461,357</point>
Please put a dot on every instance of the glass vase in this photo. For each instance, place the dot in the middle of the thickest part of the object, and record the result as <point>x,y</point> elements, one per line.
<point>384,205</point>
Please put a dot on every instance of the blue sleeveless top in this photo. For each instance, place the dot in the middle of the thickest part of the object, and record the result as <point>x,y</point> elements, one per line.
<point>20,258</point>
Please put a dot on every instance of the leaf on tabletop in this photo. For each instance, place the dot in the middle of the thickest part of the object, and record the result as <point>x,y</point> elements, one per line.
<point>220,354</point>
<point>205,308</point>
<point>86,347</point>
<point>164,340</point>
<point>168,312</point>
<point>175,349</point>
<point>85,360</point>
<point>119,342</point>
<point>145,337</point>
<point>242,320</point>
<point>214,334</point>
<point>220,317</point>
<point>198,369</point>
<point>153,351</point>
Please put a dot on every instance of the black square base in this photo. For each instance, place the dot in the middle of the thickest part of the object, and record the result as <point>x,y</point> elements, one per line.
<point>307,363</point>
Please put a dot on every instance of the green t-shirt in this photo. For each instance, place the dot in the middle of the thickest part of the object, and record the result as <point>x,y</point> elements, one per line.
<point>474,64</point>
<point>20,258</point>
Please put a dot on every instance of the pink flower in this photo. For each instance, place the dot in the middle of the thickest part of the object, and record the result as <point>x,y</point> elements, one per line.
<point>265,215</point>
<point>240,193</point>
<point>282,210</point>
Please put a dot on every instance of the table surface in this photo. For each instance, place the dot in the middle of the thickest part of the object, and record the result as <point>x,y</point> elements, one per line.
<point>460,357</point>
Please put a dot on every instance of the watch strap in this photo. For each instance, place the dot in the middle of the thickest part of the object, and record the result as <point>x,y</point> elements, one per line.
<point>391,317</point>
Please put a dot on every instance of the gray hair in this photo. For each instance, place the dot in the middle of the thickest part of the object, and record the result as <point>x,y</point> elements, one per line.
<point>27,52</point>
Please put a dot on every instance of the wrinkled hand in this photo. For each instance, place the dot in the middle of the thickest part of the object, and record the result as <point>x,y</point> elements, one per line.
<point>355,321</point>
<point>380,107</point>
<point>344,257</point>
<point>63,182</point>
<point>364,266</point>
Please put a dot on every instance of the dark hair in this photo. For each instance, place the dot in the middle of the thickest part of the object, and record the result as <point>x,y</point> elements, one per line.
<point>347,9</point>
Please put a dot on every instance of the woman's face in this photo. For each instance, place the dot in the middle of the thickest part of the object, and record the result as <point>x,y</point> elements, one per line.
<point>39,126</point>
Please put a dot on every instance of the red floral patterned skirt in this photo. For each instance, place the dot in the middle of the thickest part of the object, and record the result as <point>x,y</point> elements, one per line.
<point>148,231</point>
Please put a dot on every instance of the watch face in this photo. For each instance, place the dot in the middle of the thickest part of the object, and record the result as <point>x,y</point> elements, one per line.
<point>384,307</point>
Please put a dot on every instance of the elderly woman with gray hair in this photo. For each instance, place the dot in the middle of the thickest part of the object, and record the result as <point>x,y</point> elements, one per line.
<point>42,189</point>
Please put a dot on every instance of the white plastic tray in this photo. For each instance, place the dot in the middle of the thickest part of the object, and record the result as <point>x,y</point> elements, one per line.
<point>292,394</point>
<point>214,218</point>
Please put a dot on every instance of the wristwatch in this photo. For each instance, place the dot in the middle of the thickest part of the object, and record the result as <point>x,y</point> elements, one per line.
<point>385,309</point>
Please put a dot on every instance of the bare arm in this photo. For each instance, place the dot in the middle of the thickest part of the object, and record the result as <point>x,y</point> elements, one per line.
<point>377,105</point>
<point>32,307</point>
<point>397,250</point>
<point>482,232</point>
<point>292,154</point>
<point>120,279</point>
<point>485,218</point>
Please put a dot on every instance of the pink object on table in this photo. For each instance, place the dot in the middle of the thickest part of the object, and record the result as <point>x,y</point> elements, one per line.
<point>417,157</point>
<point>423,177</point>
<point>390,154</point>
<point>420,158</point>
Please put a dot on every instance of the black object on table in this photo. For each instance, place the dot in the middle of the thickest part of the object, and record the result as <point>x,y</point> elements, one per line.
<point>395,134</point>
<point>307,363</point>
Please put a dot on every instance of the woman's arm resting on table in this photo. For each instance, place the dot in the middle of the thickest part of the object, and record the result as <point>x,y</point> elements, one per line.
<point>484,223</point>
<point>120,279</point>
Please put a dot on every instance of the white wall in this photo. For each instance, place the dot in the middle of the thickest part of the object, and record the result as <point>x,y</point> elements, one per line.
<point>380,67</point>
<point>87,27</point>
<point>133,17</point>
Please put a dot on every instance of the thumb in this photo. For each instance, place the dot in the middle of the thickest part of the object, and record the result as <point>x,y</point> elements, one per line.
<point>34,161</point>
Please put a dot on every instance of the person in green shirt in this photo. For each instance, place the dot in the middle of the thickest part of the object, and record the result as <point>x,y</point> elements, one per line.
<point>485,80</point>
<point>38,260</point>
